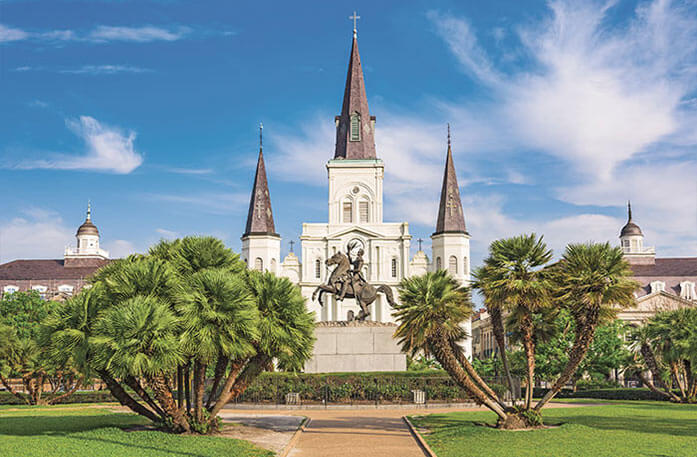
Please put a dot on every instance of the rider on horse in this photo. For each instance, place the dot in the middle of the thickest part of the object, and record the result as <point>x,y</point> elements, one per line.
<point>353,276</point>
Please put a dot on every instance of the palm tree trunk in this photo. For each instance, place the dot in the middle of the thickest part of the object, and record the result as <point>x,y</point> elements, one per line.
<point>676,376</point>
<point>582,341</point>
<point>220,367</point>
<point>124,398</point>
<point>500,336</point>
<point>68,393</point>
<point>667,393</point>
<point>134,384</point>
<point>651,363</point>
<point>441,349</point>
<point>226,393</point>
<point>163,393</point>
<point>187,386</point>
<point>11,390</point>
<point>199,389</point>
<point>462,360</point>
<point>180,386</point>
<point>528,330</point>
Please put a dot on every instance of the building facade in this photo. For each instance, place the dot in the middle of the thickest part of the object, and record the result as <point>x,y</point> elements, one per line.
<point>57,279</point>
<point>355,176</point>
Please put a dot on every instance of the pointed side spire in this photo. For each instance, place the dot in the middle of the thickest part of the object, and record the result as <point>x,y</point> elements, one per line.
<point>451,218</point>
<point>89,211</point>
<point>260,216</point>
<point>355,135</point>
<point>629,210</point>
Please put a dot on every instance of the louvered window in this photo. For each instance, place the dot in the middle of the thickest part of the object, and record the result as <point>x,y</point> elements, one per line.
<point>363,210</point>
<point>452,265</point>
<point>355,127</point>
<point>318,268</point>
<point>259,264</point>
<point>348,212</point>
<point>394,267</point>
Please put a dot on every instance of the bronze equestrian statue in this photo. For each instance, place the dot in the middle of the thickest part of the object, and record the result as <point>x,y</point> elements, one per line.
<point>348,282</point>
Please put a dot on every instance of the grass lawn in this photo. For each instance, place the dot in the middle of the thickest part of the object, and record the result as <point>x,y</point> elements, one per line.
<point>617,429</point>
<point>82,431</point>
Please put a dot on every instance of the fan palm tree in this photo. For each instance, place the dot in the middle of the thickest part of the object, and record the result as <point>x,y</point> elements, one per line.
<point>286,334</point>
<point>514,282</point>
<point>220,323</point>
<point>140,338</point>
<point>431,310</point>
<point>595,283</point>
<point>8,357</point>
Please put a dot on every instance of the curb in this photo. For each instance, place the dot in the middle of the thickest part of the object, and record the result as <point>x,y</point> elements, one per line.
<point>296,436</point>
<point>419,439</point>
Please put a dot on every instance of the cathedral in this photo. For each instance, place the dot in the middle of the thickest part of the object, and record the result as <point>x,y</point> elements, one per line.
<point>355,218</point>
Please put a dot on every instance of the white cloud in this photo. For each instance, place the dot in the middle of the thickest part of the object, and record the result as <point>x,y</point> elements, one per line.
<point>167,234</point>
<point>8,34</point>
<point>105,69</point>
<point>120,248</point>
<point>109,149</point>
<point>38,233</point>
<point>143,34</point>
<point>191,171</point>
<point>212,203</point>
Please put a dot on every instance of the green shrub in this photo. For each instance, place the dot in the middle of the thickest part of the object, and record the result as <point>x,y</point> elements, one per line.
<point>590,384</point>
<point>99,396</point>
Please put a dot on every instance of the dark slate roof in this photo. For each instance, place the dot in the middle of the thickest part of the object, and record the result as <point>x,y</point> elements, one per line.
<point>672,271</point>
<point>355,100</point>
<point>260,216</point>
<point>630,227</point>
<point>451,218</point>
<point>46,270</point>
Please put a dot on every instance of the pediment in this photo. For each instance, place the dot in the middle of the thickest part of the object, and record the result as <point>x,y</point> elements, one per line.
<point>355,230</point>
<point>662,301</point>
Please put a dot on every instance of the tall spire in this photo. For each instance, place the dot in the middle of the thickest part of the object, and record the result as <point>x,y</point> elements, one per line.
<point>630,228</point>
<point>260,216</point>
<point>355,127</point>
<point>451,218</point>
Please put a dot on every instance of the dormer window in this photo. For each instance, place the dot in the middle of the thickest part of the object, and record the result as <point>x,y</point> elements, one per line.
<point>355,127</point>
<point>687,290</point>
<point>658,286</point>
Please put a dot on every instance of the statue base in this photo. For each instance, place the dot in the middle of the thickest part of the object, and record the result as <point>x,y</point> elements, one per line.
<point>344,346</point>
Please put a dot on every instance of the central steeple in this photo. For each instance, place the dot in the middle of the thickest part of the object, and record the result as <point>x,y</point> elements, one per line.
<point>355,127</point>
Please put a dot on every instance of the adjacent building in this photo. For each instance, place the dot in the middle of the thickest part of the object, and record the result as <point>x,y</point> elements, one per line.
<point>57,279</point>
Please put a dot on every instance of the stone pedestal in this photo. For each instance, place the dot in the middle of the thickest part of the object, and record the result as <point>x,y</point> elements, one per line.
<point>355,346</point>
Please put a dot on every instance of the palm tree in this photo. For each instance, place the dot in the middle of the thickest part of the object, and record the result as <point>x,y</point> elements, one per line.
<point>595,283</point>
<point>431,311</point>
<point>140,338</point>
<point>8,357</point>
<point>220,323</point>
<point>514,282</point>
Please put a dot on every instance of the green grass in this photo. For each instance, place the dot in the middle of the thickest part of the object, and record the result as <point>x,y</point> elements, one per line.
<point>76,431</point>
<point>621,429</point>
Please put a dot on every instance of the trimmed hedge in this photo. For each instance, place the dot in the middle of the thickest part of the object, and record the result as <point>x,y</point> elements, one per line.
<point>606,394</point>
<point>390,387</point>
<point>100,396</point>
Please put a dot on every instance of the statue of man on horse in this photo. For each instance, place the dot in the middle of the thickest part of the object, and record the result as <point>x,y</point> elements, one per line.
<point>347,281</point>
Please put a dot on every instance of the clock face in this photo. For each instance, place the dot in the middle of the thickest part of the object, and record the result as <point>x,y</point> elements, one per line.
<point>355,245</point>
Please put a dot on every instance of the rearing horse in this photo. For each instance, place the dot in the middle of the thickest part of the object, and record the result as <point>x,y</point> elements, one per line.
<point>364,293</point>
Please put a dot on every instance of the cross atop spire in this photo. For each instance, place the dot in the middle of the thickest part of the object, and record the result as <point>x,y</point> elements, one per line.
<point>355,25</point>
<point>260,216</point>
<point>355,127</point>
<point>89,210</point>
<point>451,218</point>
<point>261,130</point>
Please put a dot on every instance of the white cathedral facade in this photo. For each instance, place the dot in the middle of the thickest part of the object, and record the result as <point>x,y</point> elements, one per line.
<point>355,216</point>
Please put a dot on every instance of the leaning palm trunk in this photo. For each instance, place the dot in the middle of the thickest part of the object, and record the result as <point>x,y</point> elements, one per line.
<point>220,367</point>
<point>67,393</point>
<point>134,384</point>
<point>666,393</point>
<point>12,390</point>
<point>652,365</point>
<point>582,342</point>
<point>226,393</point>
<point>124,398</point>
<point>529,345</point>
<point>676,377</point>
<point>472,373</point>
<point>442,350</point>
<point>163,393</point>
<point>500,336</point>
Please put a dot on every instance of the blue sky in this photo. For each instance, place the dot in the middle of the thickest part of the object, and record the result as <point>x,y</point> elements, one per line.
<point>561,111</point>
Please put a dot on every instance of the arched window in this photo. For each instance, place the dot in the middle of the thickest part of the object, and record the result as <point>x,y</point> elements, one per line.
<point>348,212</point>
<point>394,267</point>
<point>465,267</point>
<point>273,265</point>
<point>259,264</point>
<point>355,127</point>
<point>363,211</point>
<point>439,265</point>
<point>452,265</point>
<point>318,268</point>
